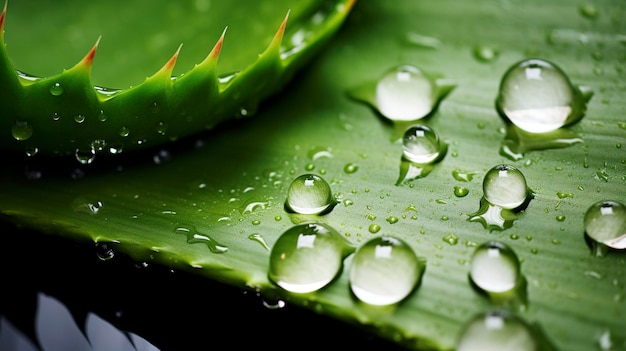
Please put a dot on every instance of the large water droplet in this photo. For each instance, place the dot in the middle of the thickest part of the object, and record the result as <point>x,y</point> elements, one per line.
<point>496,330</point>
<point>21,130</point>
<point>384,271</point>
<point>605,224</point>
<point>420,144</point>
<point>309,194</point>
<point>537,96</point>
<point>505,186</point>
<point>404,93</point>
<point>495,268</point>
<point>307,257</point>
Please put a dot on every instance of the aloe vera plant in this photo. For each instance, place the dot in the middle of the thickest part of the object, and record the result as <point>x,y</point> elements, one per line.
<point>218,214</point>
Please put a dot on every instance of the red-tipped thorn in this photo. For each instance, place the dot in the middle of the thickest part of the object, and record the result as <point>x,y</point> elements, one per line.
<point>88,59</point>
<point>215,52</point>
<point>2,17</point>
<point>169,66</point>
<point>278,37</point>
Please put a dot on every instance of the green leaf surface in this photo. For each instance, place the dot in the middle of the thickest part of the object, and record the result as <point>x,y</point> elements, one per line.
<point>230,184</point>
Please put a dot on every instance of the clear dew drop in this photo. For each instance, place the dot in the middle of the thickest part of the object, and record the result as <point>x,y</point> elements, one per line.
<point>309,194</point>
<point>404,93</point>
<point>495,268</point>
<point>22,130</point>
<point>420,144</point>
<point>384,271</point>
<point>484,53</point>
<point>605,223</point>
<point>104,251</point>
<point>56,89</point>
<point>124,132</point>
<point>505,186</point>
<point>85,156</point>
<point>538,97</point>
<point>460,191</point>
<point>79,118</point>
<point>496,330</point>
<point>307,257</point>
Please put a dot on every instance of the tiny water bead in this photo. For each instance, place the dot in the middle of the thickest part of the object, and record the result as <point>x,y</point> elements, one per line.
<point>505,186</point>
<point>538,97</point>
<point>309,194</point>
<point>384,271</point>
<point>404,93</point>
<point>307,257</point>
<point>605,223</point>
<point>497,330</point>
<point>420,144</point>
<point>495,268</point>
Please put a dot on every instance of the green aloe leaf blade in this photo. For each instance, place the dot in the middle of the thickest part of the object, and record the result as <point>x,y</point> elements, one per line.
<point>232,188</point>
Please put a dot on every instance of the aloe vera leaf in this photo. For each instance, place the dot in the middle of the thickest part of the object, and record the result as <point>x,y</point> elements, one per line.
<point>573,296</point>
<point>64,114</point>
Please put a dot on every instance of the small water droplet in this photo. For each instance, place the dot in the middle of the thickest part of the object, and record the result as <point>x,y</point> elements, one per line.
<point>81,204</point>
<point>496,330</point>
<point>605,224</point>
<point>451,239</point>
<point>161,128</point>
<point>195,237</point>
<point>104,251</point>
<point>309,194</point>
<point>56,89</point>
<point>537,97</point>
<point>307,257</point>
<point>124,132</point>
<point>22,130</point>
<point>259,239</point>
<point>505,186</point>
<point>588,11</point>
<point>560,218</point>
<point>404,93</point>
<point>463,176</point>
<point>374,228</point>
<point>350,168</point>
<point>85,156</point>
<point>484,53</point>
<point>102,117</point>
<point>420,144</point>
<point>392,219</point>
<point>460,191</point>
<point>79,118</point>
<point>384,271</point>
<point>116,149</point>
<point>31,151</point>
